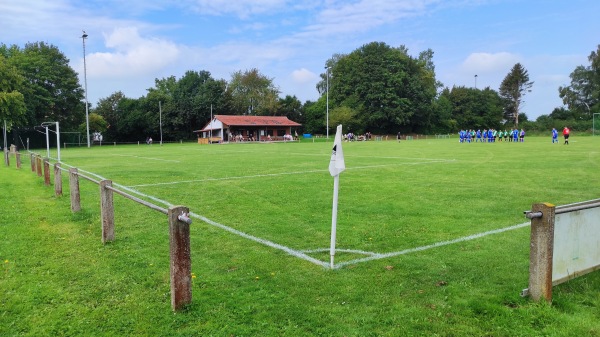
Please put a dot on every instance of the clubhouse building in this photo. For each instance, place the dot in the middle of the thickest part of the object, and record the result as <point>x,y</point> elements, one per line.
<point>234,128</point>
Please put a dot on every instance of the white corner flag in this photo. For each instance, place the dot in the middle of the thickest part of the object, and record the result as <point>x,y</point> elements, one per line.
<point>336,166</point>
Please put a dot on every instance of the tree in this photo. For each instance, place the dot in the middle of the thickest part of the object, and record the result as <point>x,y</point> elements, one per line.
<point>512,89</point>
<point>252,93</point>
<point>387,88</point>
<point>583,94</point>
<point>109,108</point>
<point>97,123</point>
<point>474,108</point>
<point>292,108</point>
<point>314,121</point>
<point>51,89</point>
<point>347,117</point>
<point>12,102</point>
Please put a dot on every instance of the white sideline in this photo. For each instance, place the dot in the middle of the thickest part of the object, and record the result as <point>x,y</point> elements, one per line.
<point>303,254</point>
<point>288,173</point>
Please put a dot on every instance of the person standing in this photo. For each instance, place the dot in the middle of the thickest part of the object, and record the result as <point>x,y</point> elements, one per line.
<point>554,136</point>
<point>398,136</point>
<point>566,133</point>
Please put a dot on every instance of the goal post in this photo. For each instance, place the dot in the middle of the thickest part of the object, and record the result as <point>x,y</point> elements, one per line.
<point>71,138</point>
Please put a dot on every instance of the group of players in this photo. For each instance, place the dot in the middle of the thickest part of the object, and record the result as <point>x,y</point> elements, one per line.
<point>491,135</point>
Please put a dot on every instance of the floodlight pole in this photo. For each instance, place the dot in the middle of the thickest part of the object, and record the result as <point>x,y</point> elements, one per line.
<point>475,81</point>
<point>327,81</point>
<point>47,142</point>
<point>87,117</point>
<point>160,120</point>
<point>5,141</point>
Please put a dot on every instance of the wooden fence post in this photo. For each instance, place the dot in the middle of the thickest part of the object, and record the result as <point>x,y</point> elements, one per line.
<point>46,172</point>
<point>18,159</point>
<point>541,252</point>
<point>57,180</point>
<point>107,211</point>
<point>74,190</point>
<point>32,156</point>
<point>181,263</point>
<point>38,165</point>
<point>6,157</point>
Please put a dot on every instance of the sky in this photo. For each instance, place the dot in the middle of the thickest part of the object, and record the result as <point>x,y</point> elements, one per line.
<point>131,43</point>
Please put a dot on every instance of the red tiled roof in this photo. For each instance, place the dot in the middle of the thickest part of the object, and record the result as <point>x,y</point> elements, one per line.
<point>233,120</point>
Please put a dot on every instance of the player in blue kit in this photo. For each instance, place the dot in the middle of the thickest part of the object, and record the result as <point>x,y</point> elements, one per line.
<point>554,136</point>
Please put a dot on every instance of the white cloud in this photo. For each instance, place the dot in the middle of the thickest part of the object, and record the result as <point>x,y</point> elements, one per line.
<point>303,76</point>
<point>240,8</point>
<point>487,63</point>
<point>132,55</point>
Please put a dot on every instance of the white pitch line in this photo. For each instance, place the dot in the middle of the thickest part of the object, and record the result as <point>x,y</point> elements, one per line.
<point>149,158</point>
<point>265,242</point>
<point>303,254</point>
<point>285,173</point>
<point>377,256</point>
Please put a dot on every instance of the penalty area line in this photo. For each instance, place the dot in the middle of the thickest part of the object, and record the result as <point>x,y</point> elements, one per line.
<point>378,256</point>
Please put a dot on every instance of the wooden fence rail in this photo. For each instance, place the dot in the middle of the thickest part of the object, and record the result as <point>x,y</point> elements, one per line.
<point>178,218</point>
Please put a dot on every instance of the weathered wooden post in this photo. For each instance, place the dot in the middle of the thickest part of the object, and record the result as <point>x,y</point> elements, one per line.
<point>18,159</point>
<point>46,172</point>
<point>74,190</point>
<point>181,262</point>
<point>6,157</point>
<point>541,253</point>
<point>57,180</point>
<point>38,165</point>
<point>32,156</point>
<point>107,211</point>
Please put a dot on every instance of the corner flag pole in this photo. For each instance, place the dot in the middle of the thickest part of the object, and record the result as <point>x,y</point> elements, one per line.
<point>336,186</point>
<point>336,166</point>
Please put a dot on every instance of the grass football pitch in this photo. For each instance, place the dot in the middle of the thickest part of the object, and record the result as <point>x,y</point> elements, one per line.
<point>431,240</point>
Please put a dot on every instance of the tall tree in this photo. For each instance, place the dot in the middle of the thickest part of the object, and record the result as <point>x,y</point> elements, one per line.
<point>253,93</point>
<point>291,107</point>
<point>51,89</point>
<point>513,89</point>
<point>474,108</point>
<point>583,94</point>
<point>12,102</point>
<point>385,86</point>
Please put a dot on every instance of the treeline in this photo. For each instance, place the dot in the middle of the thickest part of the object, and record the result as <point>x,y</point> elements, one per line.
<point>376,88</point>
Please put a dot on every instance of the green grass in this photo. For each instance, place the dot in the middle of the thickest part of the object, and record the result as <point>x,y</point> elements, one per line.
<point>59,279</point>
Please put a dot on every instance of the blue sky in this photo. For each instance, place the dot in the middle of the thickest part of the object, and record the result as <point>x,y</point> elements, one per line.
<point>132,42</point>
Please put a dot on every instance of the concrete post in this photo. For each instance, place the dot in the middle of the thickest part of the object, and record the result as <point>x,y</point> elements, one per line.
<point>541,250</point>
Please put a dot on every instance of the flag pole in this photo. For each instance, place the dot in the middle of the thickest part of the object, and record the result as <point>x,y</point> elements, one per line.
<point>336,185</point>
<point>336,166</point>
